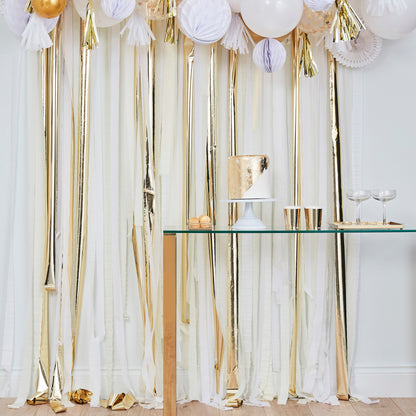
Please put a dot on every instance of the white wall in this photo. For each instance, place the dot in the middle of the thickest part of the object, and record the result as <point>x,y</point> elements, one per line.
<point>386,334</point>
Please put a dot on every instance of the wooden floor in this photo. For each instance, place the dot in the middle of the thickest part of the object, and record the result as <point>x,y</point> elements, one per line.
<point>386,407</point>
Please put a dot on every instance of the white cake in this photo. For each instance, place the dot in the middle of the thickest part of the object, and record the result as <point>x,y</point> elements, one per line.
<point>249,177</point>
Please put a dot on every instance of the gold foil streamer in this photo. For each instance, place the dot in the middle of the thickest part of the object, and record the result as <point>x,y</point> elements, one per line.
<point>296,201</point>
<point>149,189</point>
<point>347,24</point>
<point>309,66</point>
<point>340,284</point>
<point>211,189</point>
<point>57,406</point>
<point>29,7</point>
<point>90,39</point>
<point>81,396</point>
<point>81,197</point>
<point>120,401</point>
<point>188,128</point>
<point>171,35</point>
<point>232,293</point>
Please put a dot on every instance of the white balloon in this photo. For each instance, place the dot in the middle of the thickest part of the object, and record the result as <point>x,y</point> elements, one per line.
<point>271,18</point>
<point>319,5</point>
<point>269,55</point>
<point>391,25</point>
<point>17,18</point>
<point>235,5</point>
<point>101,19</point>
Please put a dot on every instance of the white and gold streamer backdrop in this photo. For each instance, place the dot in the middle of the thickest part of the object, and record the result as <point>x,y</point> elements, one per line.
<point>114,351</point>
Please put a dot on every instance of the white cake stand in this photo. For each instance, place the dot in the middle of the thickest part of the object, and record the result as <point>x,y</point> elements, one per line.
<point>249,221</point>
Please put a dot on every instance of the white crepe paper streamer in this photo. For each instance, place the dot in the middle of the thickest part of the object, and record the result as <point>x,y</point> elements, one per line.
<point>17,19</point>
<point>237,36</point>
<point>118,9</point>
<point>35,37</point>
<point>204,21</point>
<point>358,52</point>
<point>319,5</point>
<point>382,7</point>
<point>139,32</point>
<point>269,55</point>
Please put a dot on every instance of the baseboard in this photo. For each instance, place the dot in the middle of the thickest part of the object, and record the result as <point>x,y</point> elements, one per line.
<point>385,381</point>
<point>371,381</point>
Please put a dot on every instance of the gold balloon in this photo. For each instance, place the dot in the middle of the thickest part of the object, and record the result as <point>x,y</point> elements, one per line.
<point>48,8</point>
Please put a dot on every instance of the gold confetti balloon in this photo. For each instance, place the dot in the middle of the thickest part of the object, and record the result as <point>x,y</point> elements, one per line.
<point>316,22</point>
<point>48,8</point>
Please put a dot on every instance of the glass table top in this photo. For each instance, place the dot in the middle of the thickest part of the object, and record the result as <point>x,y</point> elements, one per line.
<point>180,230</point>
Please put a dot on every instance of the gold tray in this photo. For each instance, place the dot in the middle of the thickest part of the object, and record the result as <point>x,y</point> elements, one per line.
<point>372,225</point>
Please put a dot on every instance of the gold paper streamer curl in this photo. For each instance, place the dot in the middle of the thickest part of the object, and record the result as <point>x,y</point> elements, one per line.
<point>347,24</point>
<point>309,66</point>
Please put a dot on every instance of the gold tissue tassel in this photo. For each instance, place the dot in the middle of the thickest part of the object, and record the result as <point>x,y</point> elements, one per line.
<point>296,248</point>
<point>232,309</point>
<point>171,35</point>
<point>90,39</point>
<point>340,283</point>
<point>347,24</point>
<point>310,68</point>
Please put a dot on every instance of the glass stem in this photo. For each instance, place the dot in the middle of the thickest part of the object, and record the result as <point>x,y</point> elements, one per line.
<point>357,213</point>
<point>384,214</point>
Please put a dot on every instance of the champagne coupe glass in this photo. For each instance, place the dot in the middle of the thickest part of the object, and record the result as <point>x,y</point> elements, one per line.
<point>358,196</point>
<point>384,196</point>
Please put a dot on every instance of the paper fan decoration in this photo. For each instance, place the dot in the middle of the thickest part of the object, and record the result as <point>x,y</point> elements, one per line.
<point>381,7</point>
<point>358,52</point>
<point>204,21</point>
<point>269,55</point>
<point>316,22</point>
<point>237,36</point>
<point>118,9</point>
<point>319,5</point>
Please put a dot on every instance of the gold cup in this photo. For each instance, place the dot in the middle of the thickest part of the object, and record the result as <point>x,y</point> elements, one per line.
<point>313,218</point>
<point>292,217</point>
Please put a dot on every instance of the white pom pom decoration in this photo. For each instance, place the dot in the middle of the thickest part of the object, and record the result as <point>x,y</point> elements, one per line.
<point>139,32</point>
<point>204,21</point>
<point>35,37</point>
<point>358,52</point>
<point>101,19</point>
<point>319,5</point>
<point>269,55</point>
<point>381,7</point>
<point>17,18</point>
<point>118,9</point>
<point>237,36</point>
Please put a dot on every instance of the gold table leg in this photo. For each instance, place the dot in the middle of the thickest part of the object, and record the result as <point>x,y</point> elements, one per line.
<point>169,324</point>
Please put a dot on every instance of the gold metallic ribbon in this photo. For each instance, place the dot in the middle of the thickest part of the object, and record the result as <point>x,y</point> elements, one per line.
<point>81,198</point>
<point>171,35</point>
<point>188,120</point>
<point>211,187</point>
<point>309,66</point>
<point>232,309</point>
<point>90,39</point>
<point>347,24</point>
<point>50,105</point>
<point>340,283</point>
<point>296,201</point>
<point>29,7</point>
